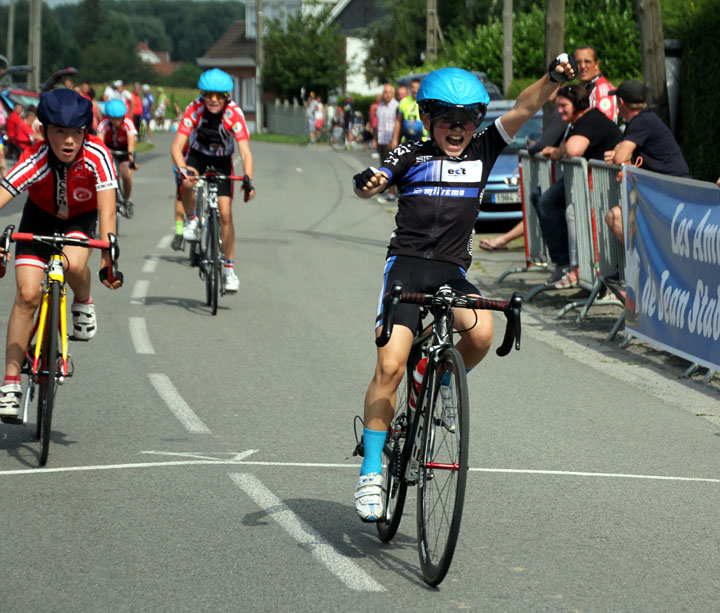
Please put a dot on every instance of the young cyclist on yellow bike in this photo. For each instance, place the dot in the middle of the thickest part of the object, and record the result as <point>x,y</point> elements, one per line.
<point>440,184</point>
<point>212,125</point>
<point>71,185</point>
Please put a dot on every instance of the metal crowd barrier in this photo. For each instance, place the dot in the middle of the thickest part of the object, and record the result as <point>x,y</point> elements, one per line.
<point>534,171</point>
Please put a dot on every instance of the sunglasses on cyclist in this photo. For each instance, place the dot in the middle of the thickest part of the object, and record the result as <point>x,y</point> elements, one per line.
<point>447,117</point>
<point>215,95</point>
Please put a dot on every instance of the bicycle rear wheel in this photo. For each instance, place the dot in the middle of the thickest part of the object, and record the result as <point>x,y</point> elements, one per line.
<point>212,263</point>
<point>395,455</point>
<point>46,377</point>
<point>443,467</point>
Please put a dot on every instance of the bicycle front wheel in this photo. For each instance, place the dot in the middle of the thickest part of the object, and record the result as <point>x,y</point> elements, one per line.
<point>46,376</point>
<point>395,455</point>
<point>212,262</point>
<point>443,467</point>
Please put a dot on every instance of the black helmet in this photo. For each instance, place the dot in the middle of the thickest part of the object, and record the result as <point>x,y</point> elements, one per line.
<point>65,108</point>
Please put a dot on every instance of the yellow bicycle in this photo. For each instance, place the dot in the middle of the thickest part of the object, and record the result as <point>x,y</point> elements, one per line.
<point>48,362</point>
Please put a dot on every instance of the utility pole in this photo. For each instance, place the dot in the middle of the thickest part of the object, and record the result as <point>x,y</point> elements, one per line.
<point>431,38</point>
<point>10,32</point>
<point>258,70</point>
<point>507,17</point>
<point>34,43</point>
<point>653,56</point>
<point>554,40</point>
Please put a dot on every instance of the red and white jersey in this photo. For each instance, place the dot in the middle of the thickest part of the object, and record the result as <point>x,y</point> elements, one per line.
<point>210,135</point>
<point>62,190</point>
<point>599,99</point>
<point>116,138</point>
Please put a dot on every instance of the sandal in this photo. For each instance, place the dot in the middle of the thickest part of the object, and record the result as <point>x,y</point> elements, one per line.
<point>569,279</point>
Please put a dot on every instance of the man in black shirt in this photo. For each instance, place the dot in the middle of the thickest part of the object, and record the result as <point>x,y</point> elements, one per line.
<point>589,135</point>
<point>647,142</point>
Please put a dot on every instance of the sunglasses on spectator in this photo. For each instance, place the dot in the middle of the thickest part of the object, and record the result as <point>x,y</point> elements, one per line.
<point>215,95</point>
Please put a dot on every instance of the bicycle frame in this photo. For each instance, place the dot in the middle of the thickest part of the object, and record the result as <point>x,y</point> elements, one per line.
<point>54,274</point>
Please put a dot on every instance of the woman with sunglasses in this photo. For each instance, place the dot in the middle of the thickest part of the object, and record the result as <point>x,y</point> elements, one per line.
<point>210,126</point>
<point>440,184</point>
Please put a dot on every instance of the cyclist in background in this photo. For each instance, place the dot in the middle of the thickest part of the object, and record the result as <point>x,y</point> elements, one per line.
<point>148,102</point>
<point>118,133</point>
<point>439,185</point>
<point>71,184</point>
<point>212,124</point>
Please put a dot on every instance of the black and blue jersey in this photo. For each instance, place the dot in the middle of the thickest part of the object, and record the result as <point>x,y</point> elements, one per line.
<point>439,196</point>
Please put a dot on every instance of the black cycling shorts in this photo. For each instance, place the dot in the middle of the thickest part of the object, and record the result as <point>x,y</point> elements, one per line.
<point>423,276</point>
<point>37,221</point>
<point>224,165</point>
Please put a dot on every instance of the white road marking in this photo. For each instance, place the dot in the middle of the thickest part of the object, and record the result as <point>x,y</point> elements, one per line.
<point>174,401</point>
<point>139,336</point>
<point>139,292</point>
<point>236,457</point>
<point>165,242</point>
<point>150,264</point>
<point>342,567</point>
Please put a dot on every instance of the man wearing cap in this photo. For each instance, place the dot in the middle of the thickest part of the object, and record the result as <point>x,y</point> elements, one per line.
<point>598,87</point>
<point>647,142</point>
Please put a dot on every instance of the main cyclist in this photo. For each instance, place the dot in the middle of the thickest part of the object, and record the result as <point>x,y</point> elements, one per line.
<point>118,133</point>
<point>212,124</point>
<point>71,184</point>
<point>440,184</point>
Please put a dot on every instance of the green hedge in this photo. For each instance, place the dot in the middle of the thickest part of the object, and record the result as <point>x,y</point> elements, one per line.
<point>699,94</point>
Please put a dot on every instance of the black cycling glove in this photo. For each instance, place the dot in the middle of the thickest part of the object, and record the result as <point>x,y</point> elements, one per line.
<point>248,185</point>
<point>104,275</point>
<point>561,77</point>
<point>361,178</point>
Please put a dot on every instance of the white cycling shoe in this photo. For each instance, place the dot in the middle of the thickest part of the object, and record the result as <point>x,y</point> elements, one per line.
<point>10,395</point>
<point>449,408</point>
<point>369,497</point>
<point>232,283</point>
<point>84,321</point>
<point>190,229</point>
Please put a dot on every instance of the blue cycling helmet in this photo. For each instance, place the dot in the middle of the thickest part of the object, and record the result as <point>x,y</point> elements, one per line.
<point>115,108</point>
<point>65,108</point>
<point>215,80</point>
<point>452,87</point>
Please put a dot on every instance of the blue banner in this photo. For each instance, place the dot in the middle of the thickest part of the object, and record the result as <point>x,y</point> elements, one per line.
<point>672,255</point>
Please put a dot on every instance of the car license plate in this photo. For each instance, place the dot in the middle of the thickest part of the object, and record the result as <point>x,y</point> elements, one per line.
<point>505,197</point>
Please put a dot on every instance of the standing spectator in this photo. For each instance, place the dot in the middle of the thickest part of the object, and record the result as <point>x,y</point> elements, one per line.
<point>319,115</point>
<point>646,138</point>
<point>136,106</point>
<point>148,102</point>
<point>402,92</point>
<point>24,135</point>
<point>14,121</point>
<point>373,119</point>
<point>408,125</point>
<point>126,97</point>
<point>386,114</point>
<point>349,119</point>
<point>598,87</point>
<point>589,135</point>
<point>310,107</point>
<point>160,110</point>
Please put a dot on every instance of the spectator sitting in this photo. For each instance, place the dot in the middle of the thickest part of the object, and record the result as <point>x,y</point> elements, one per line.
<point>647,140</point>
<point>589,135</point>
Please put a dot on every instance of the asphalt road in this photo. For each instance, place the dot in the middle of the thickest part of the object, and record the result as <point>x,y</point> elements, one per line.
<point>203,463</point>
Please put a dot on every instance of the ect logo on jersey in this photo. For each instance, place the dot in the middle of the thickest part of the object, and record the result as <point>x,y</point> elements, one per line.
<point>82,194</point>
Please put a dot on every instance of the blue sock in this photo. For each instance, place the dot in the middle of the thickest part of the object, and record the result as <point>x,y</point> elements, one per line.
<point>374,442</point>
<point>446,377</point>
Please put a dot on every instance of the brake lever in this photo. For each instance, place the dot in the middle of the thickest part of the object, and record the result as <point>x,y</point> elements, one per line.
<point>512,328</point>
<point>5,244</point>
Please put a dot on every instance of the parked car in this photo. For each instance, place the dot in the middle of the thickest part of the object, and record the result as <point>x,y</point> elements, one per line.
<point>501,198</point>
<point>492,89</point>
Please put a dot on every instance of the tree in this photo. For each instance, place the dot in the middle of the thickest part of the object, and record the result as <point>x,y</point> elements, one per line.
<point>305,52</point>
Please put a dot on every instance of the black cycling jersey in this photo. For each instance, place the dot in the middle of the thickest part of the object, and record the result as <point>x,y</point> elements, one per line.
<point>439,196</point>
